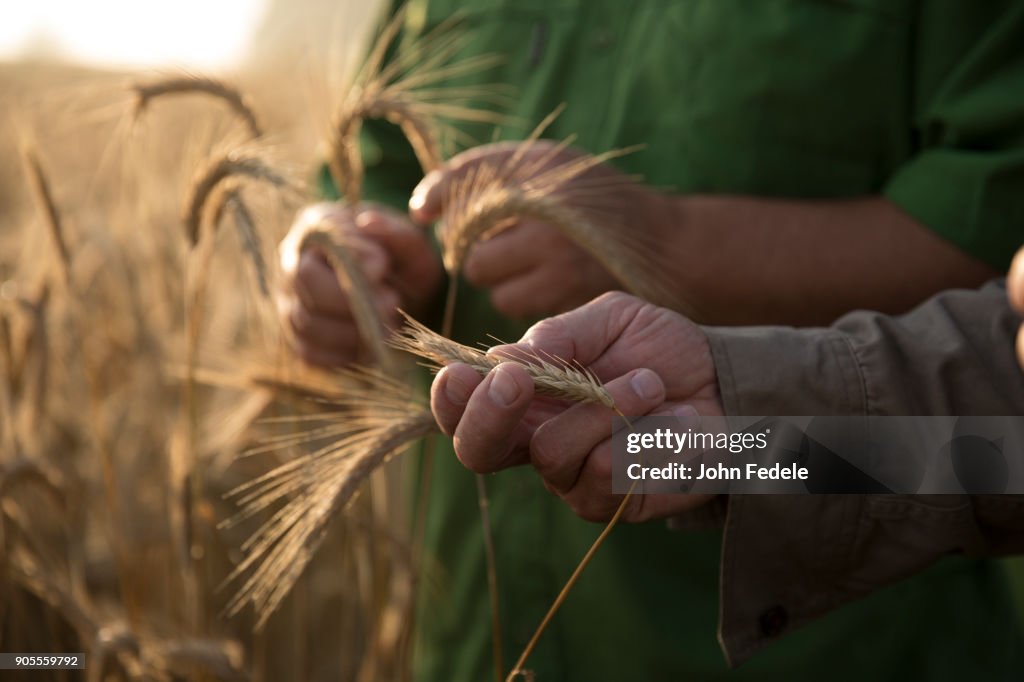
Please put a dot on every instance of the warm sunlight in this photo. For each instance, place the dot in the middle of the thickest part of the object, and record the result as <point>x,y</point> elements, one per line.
<point>205,34</point>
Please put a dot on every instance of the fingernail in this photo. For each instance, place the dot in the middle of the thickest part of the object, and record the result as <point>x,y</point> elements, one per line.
<point>366,218</point>
<point>418,198</point>
<point>686,411</point>
<point>456,390</point>
<point>503,389</point>
<point>419,195</point>
<point>646,384</point>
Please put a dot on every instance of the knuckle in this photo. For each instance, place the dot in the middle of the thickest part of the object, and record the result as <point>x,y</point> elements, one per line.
<point>615,299</point>
<point>601,470</point>
<point>545,456</point>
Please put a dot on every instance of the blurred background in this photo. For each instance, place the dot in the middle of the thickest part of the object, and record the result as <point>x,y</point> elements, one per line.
<point>110,538</point>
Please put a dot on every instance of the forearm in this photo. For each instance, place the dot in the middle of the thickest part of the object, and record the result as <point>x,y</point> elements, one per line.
<point>750,260</point>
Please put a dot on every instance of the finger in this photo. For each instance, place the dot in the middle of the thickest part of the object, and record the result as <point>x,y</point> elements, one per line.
<point>427,201</point>
<point>1020,346</point>
<point>534,293</point>
<point>483,437</point>
<point>388,301</point>
<point>332,215</point>
<point>321,356</point>
<point>581,335</point>
<point>317,286</point>
<point>372,258</point>
<point>322,330</point>
<point>591,498</point>
<point>1015,282</point>
<point>511,252</point>
<point>400,238</point>
<point>560,447</point>
<point>316,283</point>
<point>449,394</point>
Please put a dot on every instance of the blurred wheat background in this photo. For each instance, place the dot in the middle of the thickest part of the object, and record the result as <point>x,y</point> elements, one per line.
<point>113,544</point>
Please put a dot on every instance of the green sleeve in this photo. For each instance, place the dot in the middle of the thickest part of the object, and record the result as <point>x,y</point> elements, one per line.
<point>965,182</point>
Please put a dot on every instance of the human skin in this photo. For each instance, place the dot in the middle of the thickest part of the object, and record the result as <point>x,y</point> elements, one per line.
<point>1015,291</point>
<point>737,259</point>
<point>652,360</point>
<point>396,258</point>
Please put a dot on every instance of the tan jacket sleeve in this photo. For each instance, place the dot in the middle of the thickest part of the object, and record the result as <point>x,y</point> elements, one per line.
<point>789,559</point>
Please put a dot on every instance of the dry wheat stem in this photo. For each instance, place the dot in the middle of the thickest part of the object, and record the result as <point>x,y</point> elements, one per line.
<point>146,92</point>
<point>517,669</point>
<point>550,377</point>
<point>44,198</point>
<point>353,282</point>
<point>232,163</point>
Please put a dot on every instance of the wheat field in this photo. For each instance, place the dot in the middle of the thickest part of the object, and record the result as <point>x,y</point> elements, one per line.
<point>131,407</point>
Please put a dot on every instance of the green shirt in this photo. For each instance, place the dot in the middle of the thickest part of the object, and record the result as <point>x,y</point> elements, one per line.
<point>919,101</point>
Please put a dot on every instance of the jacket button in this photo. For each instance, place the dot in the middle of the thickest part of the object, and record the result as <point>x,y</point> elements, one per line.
<point>773,621</point>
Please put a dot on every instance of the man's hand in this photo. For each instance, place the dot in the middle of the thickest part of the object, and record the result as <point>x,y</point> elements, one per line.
<point>652,360</point>
<point>397,259</point>
<point>531,268</point>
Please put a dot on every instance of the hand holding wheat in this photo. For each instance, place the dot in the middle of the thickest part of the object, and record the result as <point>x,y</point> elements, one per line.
<point>397,261</point>
<point>545,227</point>
<point>652,361</point>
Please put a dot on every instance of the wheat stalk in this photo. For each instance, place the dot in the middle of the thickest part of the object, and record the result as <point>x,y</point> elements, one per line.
<point>373,420</point>
<point>146,92</point>
<point>562,381</point>
<point>408,92</point>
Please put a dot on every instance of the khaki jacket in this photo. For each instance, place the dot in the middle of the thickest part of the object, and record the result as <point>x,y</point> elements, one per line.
<point>787,560</point>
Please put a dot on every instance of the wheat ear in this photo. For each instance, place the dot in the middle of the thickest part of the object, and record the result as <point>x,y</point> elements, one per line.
<point>232,163</point>
<point>562,381</point>
<point>44,198</point>
<point>408,92</point>
<point>230,198</point>
<point>374,420</point>
<point>146,92</point>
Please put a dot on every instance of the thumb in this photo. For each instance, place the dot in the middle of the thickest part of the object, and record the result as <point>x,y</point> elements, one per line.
<point>425,204</point>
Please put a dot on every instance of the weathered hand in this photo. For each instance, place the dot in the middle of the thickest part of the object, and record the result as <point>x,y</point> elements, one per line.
<point>652,360</point>
<point>398,262</point>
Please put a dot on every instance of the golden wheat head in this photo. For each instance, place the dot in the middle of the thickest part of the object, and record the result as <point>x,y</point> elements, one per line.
<point>560,380</point>
<point>240,104</point>
<point>411,92</point>
<point>375,419</point>
<point>232,163</point>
